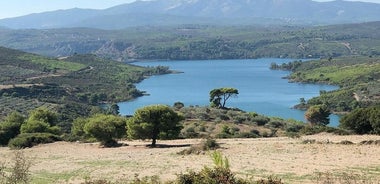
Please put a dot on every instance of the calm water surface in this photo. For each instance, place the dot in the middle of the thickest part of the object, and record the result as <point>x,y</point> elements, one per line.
<point>260,89</point>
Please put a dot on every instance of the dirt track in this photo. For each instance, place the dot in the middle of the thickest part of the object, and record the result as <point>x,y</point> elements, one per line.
<point>289,159</point>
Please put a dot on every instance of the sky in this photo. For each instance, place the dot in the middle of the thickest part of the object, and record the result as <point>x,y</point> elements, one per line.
<point>14,8</point>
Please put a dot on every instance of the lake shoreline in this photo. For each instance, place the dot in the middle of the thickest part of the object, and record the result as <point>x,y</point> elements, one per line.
<point>195,77</point>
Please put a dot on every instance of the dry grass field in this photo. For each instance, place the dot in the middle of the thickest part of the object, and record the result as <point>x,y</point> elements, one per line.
<point>298,160</point>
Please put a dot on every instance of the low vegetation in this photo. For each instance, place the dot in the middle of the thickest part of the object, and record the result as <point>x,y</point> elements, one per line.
<point>19,172</point>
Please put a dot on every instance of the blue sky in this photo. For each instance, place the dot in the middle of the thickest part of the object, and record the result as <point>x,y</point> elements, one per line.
<point>14,8</point>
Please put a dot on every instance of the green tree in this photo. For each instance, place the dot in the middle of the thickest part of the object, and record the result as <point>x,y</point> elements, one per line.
<point>106,128</point>
<point>219,97</point>
<point>77,128</point>
<point>10,128</point>
<point>318,115</point>
<point>44,115</point>
<point>41,120</point>
<point>154,122</point>
<point>113,109</point>
<point>362,120</point>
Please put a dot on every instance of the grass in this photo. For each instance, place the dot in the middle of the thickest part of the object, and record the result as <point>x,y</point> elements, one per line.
<point>52,64</point>
<point>46,177</point>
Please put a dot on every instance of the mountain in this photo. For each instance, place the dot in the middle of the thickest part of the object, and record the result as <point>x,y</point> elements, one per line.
<point>216,12</point>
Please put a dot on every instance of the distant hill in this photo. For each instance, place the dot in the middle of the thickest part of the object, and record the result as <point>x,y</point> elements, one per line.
<point>216,12</point>
<point>200,42</point>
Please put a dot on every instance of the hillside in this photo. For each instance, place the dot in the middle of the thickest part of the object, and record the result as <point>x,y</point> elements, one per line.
<point>72,86</point>
<point>358,77</point>
<point>201,42</point>
<point>214,12</point>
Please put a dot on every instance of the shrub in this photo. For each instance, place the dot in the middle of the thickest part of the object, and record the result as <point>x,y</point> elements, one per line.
<point>19,172</point>
<point>178,105</point>
<point>189,132</point>
<point>294,128</point>
<point>270,180</point>
<point>275,124</point>
<point>206,145</point>
<point>27,140</point>
<point>210,144</point>
<point>260,120</point>
<point>370,142</point>
<point>210,176</point>
<point>345,142</point>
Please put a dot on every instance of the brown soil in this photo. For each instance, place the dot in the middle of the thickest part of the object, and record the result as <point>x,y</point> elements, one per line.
<point>286,158</point>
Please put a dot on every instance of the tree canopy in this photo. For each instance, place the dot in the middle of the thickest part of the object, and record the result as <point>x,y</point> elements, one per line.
<point>104,128</point>
<point>154,122</point>
<point>318,115</point>
<point>10,128</point>
<point>362,120</point>
<point>219,96</point>
<point>41,120</point>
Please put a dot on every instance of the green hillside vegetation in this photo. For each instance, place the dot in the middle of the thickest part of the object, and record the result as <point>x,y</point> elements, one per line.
<point>358,78</point>
<point>73,86</point>
<point>201,42</point>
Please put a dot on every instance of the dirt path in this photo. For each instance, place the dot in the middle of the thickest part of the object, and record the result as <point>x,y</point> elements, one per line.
<point>289,159</point>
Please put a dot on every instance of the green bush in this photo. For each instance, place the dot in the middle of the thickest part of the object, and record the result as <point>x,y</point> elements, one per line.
<point>260,120</point>
<point>106,128</point>
<point>363,121</point>
<point>10,128</point>
<point>206,145</point>
<point>36,126</point>
<point>27,140</point>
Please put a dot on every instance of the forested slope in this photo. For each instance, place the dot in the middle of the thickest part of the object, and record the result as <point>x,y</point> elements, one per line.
<point>188,42</point>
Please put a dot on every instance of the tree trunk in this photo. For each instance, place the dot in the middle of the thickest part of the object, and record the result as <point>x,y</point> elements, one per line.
<point>153,142</point>
<point>156,131</point>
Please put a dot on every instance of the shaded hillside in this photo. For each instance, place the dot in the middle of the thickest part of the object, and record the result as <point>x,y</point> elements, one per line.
<point>214,12</point>
<point>201,42</point>
<point>72,86</point>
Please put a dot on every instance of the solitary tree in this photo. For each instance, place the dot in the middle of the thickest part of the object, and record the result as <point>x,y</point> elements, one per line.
<point>318,115</point>
<point>219,97</point>
<point>154,122</point>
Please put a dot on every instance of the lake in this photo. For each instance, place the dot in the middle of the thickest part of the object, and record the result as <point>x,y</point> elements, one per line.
<point>261,90</point>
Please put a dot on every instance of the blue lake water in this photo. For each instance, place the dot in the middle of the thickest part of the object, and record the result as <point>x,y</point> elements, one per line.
<point>261,90</point>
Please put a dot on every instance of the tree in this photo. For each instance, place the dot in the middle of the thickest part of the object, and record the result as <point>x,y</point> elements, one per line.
<point>41,120</point>
<point>219,97</point>
<point>362,120</point>
<point>10,128</point>
<point>113,109</point>
<point>44,115</point>
<point>105,128</point>
<point>154,122</point>
<point>318,115</point>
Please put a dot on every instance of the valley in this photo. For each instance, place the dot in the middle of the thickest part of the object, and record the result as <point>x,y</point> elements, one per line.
<point>191,91</point>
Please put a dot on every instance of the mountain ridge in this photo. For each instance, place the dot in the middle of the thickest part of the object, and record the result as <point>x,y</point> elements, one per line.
<point>219,12</point>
